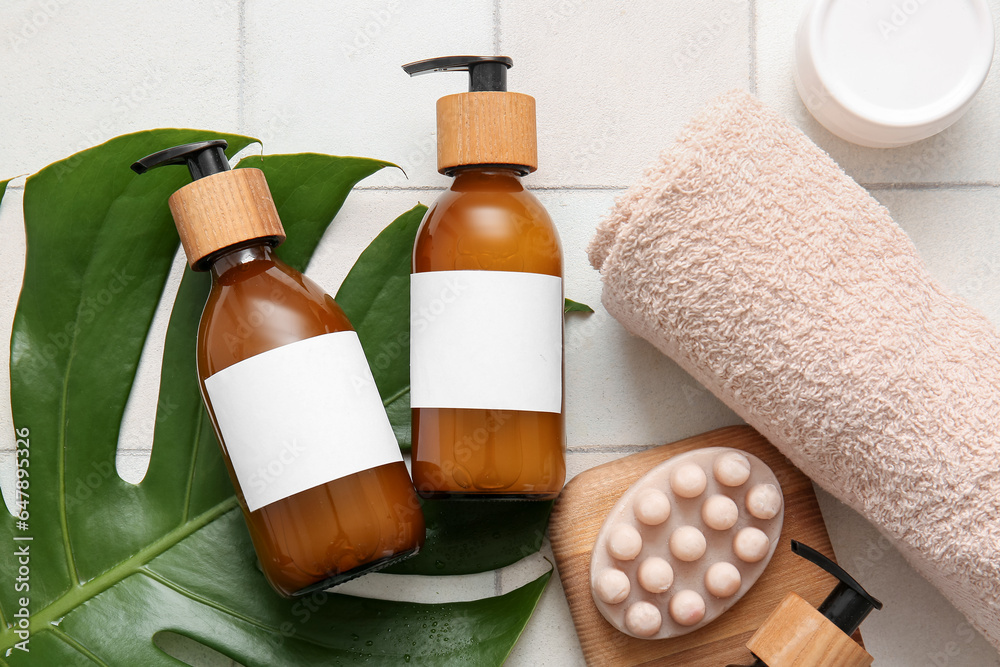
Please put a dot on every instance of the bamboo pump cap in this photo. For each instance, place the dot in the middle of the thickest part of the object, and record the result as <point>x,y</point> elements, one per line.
<point>488,124</point>
<point>797,635</point>
<point>221,208</point>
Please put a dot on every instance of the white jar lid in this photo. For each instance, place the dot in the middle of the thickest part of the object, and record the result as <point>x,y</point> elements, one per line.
<point>886,73</point>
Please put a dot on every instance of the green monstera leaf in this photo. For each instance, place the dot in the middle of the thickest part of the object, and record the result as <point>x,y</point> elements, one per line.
<point>110,564</point>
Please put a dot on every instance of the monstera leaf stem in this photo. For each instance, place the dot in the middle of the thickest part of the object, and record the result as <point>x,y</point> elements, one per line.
<point>43,618</point>
<point>194,460</point>
<point>61,469</point>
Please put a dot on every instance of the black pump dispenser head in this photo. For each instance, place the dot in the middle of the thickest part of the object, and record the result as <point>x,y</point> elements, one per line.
<point>845,607</point>
<point>486,73</point>
<point>212,214</point>
<point>848,604</point>
<point>488,125</point>
<point>202,158</point>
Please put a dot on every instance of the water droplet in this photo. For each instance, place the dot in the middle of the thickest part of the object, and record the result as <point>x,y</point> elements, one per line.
<point>368,643</point>
<point>355,637</point>
<point>406,657</point>
<point>439,564</point>
<point>435,624</point>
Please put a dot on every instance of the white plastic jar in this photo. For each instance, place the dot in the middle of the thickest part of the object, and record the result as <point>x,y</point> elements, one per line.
<point>886,73</point>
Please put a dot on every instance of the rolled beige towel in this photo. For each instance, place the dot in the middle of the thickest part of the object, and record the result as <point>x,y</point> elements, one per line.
<point>749,257</point>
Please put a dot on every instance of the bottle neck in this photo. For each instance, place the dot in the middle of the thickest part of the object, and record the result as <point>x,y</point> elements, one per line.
<point>474,177</point>
<point>240,258</point>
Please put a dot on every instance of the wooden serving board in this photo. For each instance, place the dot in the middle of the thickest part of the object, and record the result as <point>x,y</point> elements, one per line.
<point>585,502</point>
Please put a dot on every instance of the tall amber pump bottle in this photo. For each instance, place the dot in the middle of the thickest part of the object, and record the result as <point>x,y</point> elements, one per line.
<point>303,432</point>
<point>486,348</point>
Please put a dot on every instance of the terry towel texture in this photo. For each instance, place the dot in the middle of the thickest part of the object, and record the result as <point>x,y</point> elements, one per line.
<point>756,264</point>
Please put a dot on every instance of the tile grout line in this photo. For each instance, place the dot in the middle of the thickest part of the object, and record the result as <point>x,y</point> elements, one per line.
<point>496,27</point>
<point>610,449</point>
<point>241,74</point>
<point>752,6</point>
<point>940,185</point>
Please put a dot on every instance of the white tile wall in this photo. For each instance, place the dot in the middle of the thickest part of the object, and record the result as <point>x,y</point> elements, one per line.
<point>955,231</point>
<point>328,79</point>
<point>614,82</point>
<point>76,73</point>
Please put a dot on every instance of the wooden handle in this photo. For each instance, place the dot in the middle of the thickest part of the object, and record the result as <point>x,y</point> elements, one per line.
<point>486,128</point>
<point>796,635</point>
<point>221,210</point>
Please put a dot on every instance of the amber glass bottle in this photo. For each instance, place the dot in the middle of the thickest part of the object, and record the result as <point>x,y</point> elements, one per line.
<point>324,491</point>
<point>486,305</point>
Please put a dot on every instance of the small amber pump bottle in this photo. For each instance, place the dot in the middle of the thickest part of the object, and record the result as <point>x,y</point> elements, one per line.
<point>303,432</point>
<point>798,635</point>
<point>486,297</point>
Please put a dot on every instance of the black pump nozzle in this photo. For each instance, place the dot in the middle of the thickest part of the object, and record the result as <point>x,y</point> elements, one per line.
<point>202,158</point>
<point>849,604</point>
<point>486,73</point>
<point>846,607</point>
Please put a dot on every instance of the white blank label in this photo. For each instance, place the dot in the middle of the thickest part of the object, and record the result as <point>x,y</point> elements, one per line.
<point>486,339</point>
<point>301,415</point>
